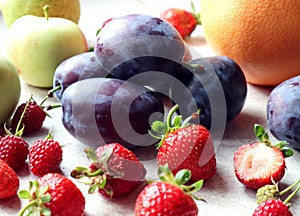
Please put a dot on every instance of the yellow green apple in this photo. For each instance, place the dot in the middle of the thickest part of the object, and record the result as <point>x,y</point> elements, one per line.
<point>10,89</point>
<point>13,9</point>
<point>37,45</point>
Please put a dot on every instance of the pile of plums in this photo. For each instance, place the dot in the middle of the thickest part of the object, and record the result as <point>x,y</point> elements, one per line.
<point>140,66</point>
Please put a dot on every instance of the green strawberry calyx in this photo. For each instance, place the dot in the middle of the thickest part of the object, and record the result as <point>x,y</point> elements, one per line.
<point>263,137</point>
<point>37,197</point>
<point>181,179</point>
<point>196,14</point>
<point>272,192</point>
<point>96,175</point>
<point>162,129</point>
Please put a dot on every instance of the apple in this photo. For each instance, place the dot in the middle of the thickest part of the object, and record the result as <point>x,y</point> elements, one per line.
<point>37,45</point>
<point>10,88</point>
<point>13,9</point>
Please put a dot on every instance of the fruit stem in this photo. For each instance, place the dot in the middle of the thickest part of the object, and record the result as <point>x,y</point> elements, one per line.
<point>46,14</point>
<point>289,187</point>
<point>169,117</point>
<point>27,206</point>
<point>49,136</point>
<point>50,107</point>
<point>286,201</point>
<point>50,92</point>
<point>196,14</point>
<point>17,132</point>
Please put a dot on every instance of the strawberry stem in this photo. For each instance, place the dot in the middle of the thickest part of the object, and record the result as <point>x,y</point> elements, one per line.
<point>17,131</point>
<point>54,106</point>
<point>27,206</point>
<point>287,200</point>
<point>196,14</point>
<point>49,136</point>
<point>289,187</point>
<point>51,92</point>
<point>169,117</point>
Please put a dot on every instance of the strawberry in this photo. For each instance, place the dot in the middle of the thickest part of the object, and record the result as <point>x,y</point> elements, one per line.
<point>34,115</point>
<point>14,151</point>
<point>13,148</point>
<point>45,156</point>
<point>272,207</point>
<point>185,146</point>
<point>183,21</point>
<point>115,170</point>
<point>169,196</point>
<point>269,200</point>
<point>256,164</point>
<point>53,194</point>
<point>9,183</point>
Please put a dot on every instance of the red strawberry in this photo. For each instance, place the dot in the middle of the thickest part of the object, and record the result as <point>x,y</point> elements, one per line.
<point>115,170</point>
<point>185,147</point>
<point>53,194</point>
<point>169,196</point>
<point>45,156</point>
<point>183,21</point>
<point>268,198</point>
<point>256,164</point>
<point>33,119</point>
<point>272,207</point>
<point>14,151</point>
<point>9,183</point>
<point>34,115</point>
<point>13,148</point>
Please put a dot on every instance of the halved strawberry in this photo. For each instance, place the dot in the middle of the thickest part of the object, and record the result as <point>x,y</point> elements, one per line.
<point>256,164</point>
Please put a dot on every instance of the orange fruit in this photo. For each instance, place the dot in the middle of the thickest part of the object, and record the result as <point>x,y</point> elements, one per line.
<point>262,36</point>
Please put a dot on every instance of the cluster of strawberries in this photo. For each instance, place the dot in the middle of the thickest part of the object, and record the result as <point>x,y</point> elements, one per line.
<point>185,158</point>
<point>44,155</point>
<point>114,171</point>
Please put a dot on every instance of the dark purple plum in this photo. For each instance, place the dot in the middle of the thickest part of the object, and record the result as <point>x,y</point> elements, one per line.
<point>154,72</point>
<point>104,110</point>
<point>78,67</point>
<point>136,35</point>
<point>283,111</point>
<point>218,88</point>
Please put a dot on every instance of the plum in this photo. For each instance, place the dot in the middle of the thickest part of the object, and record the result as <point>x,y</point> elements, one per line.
<point>283,111</point>
<point>135,35</point>
<point>155,72</point>
<point>218,88</point>
<point>104,110</point>
<point>78,67</point>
